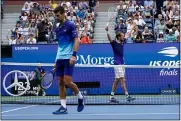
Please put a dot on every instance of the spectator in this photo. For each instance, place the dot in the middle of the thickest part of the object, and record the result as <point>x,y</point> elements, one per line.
<point>36,8</point>
<point>18,26</point>
<point>21,40</point>
<point>16,33</point>
<point>92,4</point>
<point>131,7</point>
<point>170,37</point>
<point>66,4</point>
<point>120,5</point>
<point>71,10</point>
<point>158,21</point>
<point>31,39</point>
<point>137,35</point>
<point>74,3</point>
<point>53,4</point>
<point>128,37</point>
<point>169,26</point>
<point>167,16</point>
<point>147,13</point>
<point>130,25</point>
<point>26,9</point>
<point>72,18</point>
<point>147,34</point>
<point>148,4</point>
<point>26,31</point>
<point>84,5</point>
<point>24,18</point>
<point>86,39</point>
<point>177,33</point>
<point>50,35</point>
<point>51,16</point>
<point>89,12</point>
<point>81,13</point>
<point>32,18</point>
<point>33,29</point>
<point>82,29</point>
<point>29,3</point>
<point>120,27</point>
<point>176,16</point>
<point>160,28</point>
<point>139,21</point>
<point>41,31</point>
<point>75,8</point>
<point>160,37</point>
<point>89,24</point>
<point>12,41</point>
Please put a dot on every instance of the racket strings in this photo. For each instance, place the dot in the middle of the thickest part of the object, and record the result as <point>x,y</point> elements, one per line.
<point>47,79</point>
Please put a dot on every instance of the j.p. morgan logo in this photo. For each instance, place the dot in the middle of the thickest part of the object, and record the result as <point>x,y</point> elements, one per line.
<point>89,59</point>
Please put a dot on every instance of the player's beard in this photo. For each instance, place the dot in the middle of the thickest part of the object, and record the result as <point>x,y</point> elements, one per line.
<point>120,40</point>
<point>61,21</point>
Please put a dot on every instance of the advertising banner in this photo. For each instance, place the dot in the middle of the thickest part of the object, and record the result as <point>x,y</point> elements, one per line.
<point>99,80</point>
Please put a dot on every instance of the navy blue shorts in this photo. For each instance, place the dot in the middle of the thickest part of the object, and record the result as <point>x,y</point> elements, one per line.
<point>63,67</point>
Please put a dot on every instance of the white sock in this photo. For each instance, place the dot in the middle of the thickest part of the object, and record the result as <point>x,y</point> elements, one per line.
<point>63,102</point>
<point>79,95</point>
<point>126,93</point>
<point>112,95</point>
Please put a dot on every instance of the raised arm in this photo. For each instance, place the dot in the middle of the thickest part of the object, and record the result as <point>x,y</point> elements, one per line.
<point>108,35</point>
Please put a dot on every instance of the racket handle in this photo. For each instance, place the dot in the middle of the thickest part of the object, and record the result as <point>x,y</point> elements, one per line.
<point>107,24</point>
<point>53,69</point>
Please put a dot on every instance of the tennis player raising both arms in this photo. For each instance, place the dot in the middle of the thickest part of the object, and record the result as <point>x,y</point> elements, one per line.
<point>68,44</point>
<point>118,50</point>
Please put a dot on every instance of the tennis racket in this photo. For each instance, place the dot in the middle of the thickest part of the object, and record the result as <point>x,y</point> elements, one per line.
<point>110,20</point>
<point>112,13</point>
<point>48,79</point>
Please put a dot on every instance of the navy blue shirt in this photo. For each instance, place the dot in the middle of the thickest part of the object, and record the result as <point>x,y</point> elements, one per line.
<point>118,50</point>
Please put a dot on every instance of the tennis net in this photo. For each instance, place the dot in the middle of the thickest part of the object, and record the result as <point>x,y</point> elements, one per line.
<point>148,84</point>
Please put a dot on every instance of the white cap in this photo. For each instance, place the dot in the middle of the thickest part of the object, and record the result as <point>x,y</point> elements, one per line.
<point>170,30</point>
<point>39,64</point>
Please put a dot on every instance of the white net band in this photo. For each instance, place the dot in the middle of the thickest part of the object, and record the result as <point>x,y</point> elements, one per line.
<point>89,65</point>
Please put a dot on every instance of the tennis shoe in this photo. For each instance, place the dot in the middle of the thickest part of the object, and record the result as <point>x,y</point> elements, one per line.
<point>44,93</point>
<point>61,110</point>
<point>80,106</point>
<point>113,100</point>
<point>129,98</point>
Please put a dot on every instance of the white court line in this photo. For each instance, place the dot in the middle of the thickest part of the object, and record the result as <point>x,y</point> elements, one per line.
<point>18,108</point>
<point>103,114</point>
<point>24,107</point>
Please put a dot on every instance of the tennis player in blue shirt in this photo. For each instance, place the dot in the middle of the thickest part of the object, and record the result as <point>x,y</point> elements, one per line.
<point>68,44</point>
<point>118,50</point>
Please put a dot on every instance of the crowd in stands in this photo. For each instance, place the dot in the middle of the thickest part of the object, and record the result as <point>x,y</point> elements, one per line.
<point>142,21</point>
<point>37,23</point>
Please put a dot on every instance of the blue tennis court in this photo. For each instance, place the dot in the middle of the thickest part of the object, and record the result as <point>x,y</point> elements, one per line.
<point>42,112</point>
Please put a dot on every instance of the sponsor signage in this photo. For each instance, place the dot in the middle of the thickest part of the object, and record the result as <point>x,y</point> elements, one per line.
<point>139,80</point>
